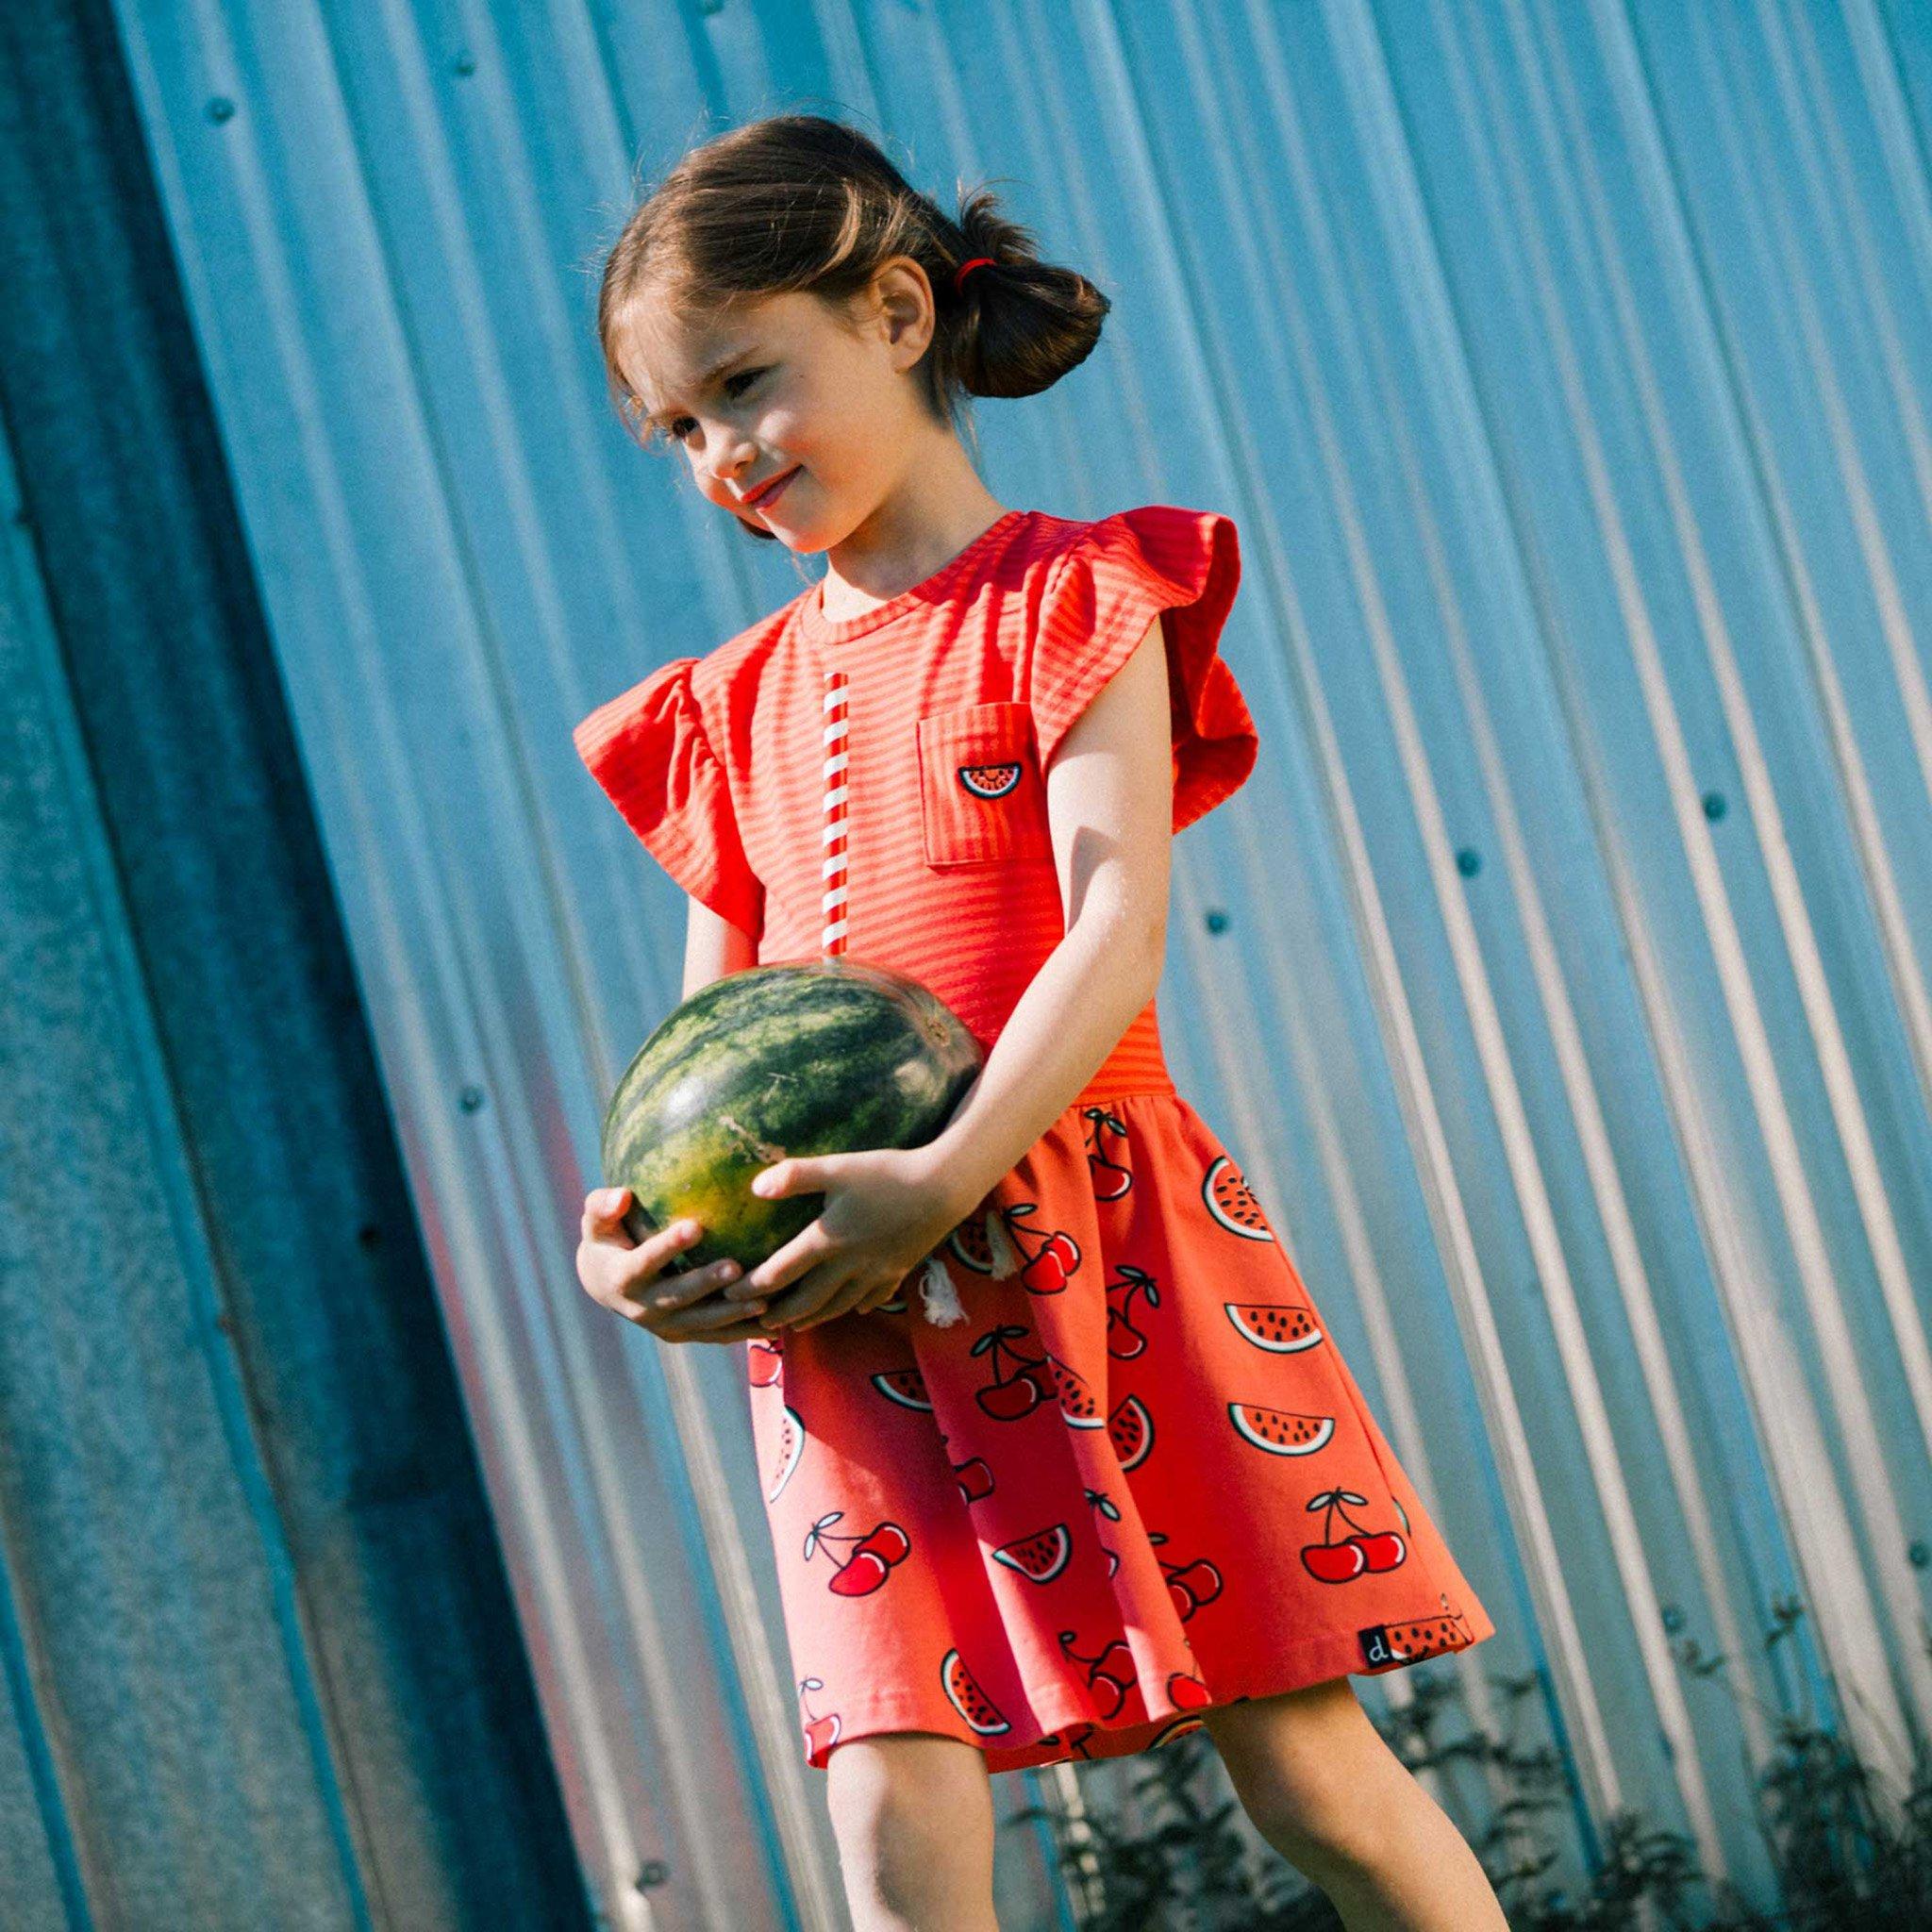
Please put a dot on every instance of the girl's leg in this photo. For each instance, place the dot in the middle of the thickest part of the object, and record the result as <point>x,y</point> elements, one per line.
<point>912,1812</point>
<point>1329,1796</point>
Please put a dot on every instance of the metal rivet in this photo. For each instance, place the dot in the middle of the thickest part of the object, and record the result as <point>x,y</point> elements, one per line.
<point>1714,806</point>
<point>221,109</point>
<point>1917,1555</point>
<point>1469,862</point>
<point>1673,1618</point>
<point>469,1099</point>
<point>465,65</point>
<point>1216,920</point>
<point>652,1873</point>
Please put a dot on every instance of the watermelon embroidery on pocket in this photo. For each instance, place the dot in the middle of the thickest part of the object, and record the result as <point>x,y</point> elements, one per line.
<point>990,781</point>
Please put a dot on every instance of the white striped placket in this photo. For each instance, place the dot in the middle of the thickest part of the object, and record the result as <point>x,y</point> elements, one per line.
<point>938,1298</point>
<point>833,901</point>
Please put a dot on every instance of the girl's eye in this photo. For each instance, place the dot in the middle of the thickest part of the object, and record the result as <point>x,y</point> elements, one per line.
<point>677,429</point>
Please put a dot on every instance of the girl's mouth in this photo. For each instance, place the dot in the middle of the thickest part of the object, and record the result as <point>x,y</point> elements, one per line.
<point>773,491</point>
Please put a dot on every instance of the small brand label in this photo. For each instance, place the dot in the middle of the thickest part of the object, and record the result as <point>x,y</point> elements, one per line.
<point>1376,1648</point>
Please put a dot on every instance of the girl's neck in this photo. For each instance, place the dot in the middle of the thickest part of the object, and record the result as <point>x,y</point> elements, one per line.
<point>902,543</point>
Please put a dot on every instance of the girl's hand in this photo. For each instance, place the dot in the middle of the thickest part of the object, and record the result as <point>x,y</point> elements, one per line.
<point>616,1271</point>
<point>885,1211</point>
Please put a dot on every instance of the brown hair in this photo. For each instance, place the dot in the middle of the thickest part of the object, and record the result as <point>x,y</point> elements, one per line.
<point>801,203</point>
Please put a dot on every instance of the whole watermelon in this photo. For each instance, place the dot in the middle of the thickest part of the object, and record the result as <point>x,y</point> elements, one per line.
<point>812,1057</point>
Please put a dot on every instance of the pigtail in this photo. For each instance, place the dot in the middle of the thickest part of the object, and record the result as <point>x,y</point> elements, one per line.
<point>1019,325</point>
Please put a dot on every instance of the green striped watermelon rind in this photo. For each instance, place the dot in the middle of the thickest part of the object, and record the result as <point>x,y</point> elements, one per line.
<point>791,1058</point>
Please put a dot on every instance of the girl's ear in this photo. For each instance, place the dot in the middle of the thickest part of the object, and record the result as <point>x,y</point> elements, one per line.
<point>906,308</point>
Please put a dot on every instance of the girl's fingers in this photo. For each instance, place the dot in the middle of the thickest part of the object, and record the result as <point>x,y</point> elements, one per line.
<point>715,1320</point>
<point>852,1295</point>
<point>604,1210</point>
<point>800,1303</point>
<point>651,1256</point>
<point>806,1250</point>
<point>663,1294</point>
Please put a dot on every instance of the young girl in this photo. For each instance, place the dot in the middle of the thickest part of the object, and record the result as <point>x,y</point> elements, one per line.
<point>1059,1458</point>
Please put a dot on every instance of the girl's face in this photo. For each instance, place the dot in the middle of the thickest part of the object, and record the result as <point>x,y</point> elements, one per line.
<point>783,387</point>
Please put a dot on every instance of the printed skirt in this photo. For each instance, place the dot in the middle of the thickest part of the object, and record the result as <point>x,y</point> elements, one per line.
<point>1135,1482</point>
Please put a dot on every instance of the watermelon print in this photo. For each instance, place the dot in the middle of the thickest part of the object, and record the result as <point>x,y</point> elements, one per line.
<point>1138,1481</point>
<point>1105,1539</point>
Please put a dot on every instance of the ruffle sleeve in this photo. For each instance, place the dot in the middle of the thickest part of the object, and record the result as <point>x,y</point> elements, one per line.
<point>648,749</point>
<point>1105,589</point>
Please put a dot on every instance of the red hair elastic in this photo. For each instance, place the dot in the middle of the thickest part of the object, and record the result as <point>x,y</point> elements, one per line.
<point>959,274</point>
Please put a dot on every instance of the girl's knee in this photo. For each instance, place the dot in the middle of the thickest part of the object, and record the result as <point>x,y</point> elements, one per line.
<point>1311,1772</point>
<point>912,1813</point>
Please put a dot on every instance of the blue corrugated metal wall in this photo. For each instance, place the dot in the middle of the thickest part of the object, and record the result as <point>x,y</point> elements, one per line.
<point>1560,978</point>
<point>260,1660</point>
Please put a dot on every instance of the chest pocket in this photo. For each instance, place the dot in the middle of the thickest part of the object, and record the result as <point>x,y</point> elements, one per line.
<point>980,791</point>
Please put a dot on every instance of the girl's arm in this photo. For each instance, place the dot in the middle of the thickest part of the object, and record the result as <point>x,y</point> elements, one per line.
<point>1110,795</point>
<point>713,947</point>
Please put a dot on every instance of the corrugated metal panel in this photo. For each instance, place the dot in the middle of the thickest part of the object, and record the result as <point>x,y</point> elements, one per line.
<point>262,1662</point>
<point>1566,369</point>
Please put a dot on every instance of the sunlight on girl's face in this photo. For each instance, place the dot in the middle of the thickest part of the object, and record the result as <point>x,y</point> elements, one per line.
<point>781,385</point>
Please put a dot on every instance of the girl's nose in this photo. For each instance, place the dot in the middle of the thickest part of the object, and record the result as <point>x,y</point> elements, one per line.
<point>737,460</point>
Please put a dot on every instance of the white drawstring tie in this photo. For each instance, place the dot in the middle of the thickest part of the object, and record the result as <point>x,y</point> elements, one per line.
<point>937,1294</point>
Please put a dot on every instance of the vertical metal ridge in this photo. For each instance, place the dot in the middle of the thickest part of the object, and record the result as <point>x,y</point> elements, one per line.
<point>1524,528</point>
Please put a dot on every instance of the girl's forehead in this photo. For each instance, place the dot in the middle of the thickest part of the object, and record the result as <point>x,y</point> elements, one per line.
<point>668,353</point>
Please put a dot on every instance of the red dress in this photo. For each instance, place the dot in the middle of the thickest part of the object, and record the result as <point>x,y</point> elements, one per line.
<point>1138,1479</point>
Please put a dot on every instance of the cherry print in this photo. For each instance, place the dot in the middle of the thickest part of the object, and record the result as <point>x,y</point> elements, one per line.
<point>821,1733</point>
<point>1191,1585</point>
<point>1047,1269</point>
<point>974,1475</point>
<point>1382,1548</point>
<point>1103,1669</point>
<point>859,1575</point>
<point>864,1568</point>
<point>1112,1179</point>
<point>1356,1554</point>
<point>1076,1738</point>
<point>1100,1500</point>
<point>1186,1693</point>
<point>764,1363</point>
<point>1013,1393</point>
<point>975,1478</point>
<point>1104,1504</point>
<point>1123,1340</point>
<point>889,1540</point>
